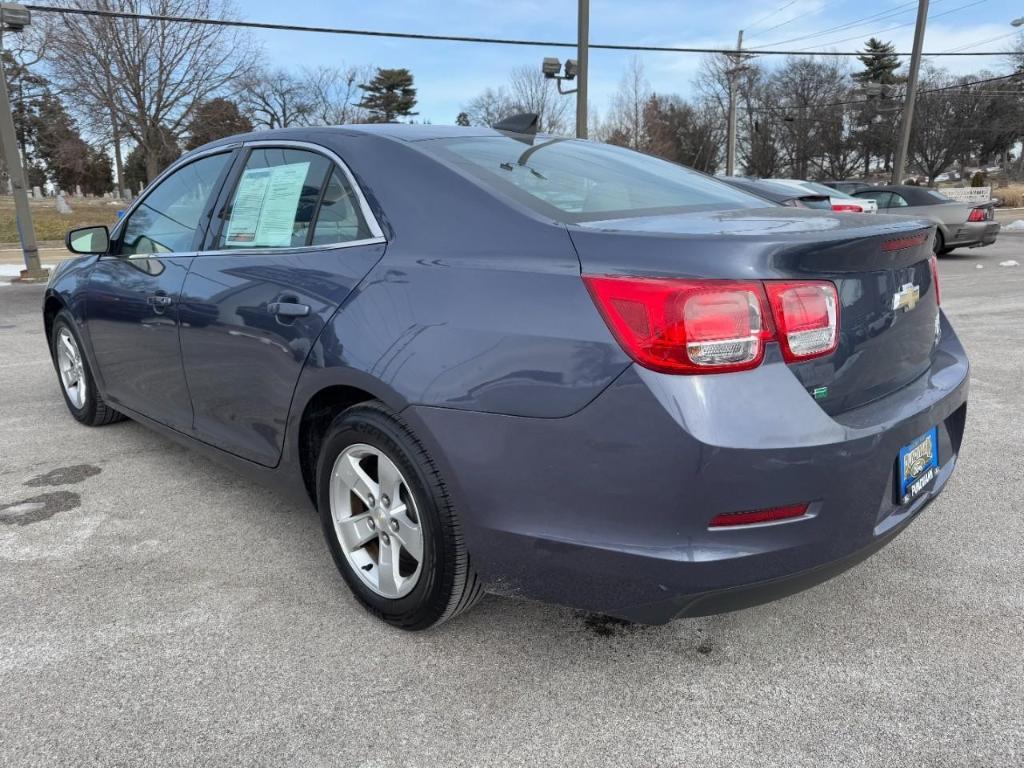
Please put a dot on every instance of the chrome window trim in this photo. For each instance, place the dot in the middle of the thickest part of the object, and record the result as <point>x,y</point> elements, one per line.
<point>364,207</point>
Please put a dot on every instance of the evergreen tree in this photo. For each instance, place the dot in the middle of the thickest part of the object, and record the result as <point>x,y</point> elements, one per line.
<point>877,118</point>
<point>215,119</point>
<point>389,95</point>
<point>462,119</point>
<point>880,63</point>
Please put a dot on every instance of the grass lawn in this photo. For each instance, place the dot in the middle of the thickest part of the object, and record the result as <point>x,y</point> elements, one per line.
<point>51,225</point>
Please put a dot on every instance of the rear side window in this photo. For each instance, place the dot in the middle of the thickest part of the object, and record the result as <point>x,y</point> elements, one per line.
<point>167,218</point>
<point>572,181</point>
<point>275,199</point>
<point>898,201</point>
<point>339,220</point>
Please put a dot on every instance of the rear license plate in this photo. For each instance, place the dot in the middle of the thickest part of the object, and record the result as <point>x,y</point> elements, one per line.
<point>918,465</point>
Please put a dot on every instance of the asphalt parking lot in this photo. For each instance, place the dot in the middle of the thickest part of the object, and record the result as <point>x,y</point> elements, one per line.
<point>159,610</point>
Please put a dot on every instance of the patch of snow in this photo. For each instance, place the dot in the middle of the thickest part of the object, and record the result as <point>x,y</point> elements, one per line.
<point>979,266</point>
<point>1015,226</point>
<point>1010,263</point>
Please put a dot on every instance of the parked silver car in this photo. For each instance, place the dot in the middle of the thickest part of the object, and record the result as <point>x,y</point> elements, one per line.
<point>958,225</point>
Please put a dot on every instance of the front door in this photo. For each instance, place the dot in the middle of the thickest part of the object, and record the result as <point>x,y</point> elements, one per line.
<point>293,239</point>
<point>132,298</point>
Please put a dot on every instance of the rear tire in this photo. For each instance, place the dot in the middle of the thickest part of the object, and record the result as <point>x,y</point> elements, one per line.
<point>75,377</point>
<point>368,450</point>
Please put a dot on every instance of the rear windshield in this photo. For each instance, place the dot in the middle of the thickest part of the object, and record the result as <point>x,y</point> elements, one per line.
<point>571,181</point>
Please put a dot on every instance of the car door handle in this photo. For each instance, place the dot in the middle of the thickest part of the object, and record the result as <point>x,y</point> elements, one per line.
<point>159,300</point>
<point>287,309</point>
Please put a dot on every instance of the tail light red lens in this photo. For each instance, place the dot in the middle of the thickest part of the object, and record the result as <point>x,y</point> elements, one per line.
<point>770,515</point>
<point>934,264</point>
<point>685,326</point>
<point>806,315</point>
<point>977,214</point>
<point>716,326</point>
<point>847,208</point>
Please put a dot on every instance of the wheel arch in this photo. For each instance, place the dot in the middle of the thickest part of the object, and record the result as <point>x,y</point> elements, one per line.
<point>52,305</point>
<point>317,414</point>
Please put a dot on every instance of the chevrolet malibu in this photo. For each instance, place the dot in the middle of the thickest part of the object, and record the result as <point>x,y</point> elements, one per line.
<point>501,361</point>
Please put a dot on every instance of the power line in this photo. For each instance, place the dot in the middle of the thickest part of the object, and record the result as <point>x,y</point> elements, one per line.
<point>776,13</point>
<point>900,9</point>
<point>446,38</point>
<point>909,23</point>
<point>953,87</point>
<point>982,42</point>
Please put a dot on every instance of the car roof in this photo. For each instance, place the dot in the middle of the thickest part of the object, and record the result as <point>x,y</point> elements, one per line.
<point>392,131</point>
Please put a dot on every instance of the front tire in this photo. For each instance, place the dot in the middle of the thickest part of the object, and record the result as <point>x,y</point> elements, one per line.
<point>389,521</point>
<point>76,380</point>
<point>938,247</point>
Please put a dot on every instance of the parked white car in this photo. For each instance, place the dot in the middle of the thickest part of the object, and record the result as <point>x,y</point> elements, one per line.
<point>841,202</point>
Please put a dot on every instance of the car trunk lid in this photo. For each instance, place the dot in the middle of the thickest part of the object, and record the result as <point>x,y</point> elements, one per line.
<point>879,264</point>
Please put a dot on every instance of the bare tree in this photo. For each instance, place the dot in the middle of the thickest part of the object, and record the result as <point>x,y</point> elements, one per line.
<point>148,75</point>
<point>335,94</point>
<point>530,91</point>
<point>276,99</point>
<point>945,114</point>
<point>629,103</point>
<point>489,106</point>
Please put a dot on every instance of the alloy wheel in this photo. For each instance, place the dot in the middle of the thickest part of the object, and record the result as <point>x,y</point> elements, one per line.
<point>376,521</point>
<point>71,368</point>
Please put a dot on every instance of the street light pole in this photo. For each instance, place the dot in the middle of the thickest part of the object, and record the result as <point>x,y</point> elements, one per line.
<point>730,146</point>
<point>16,17</point>
<point>908,105</point>
<point>583,66</point>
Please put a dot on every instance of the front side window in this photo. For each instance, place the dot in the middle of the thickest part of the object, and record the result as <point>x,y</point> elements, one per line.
<point>574,181</point>
<point>167,218</point>
<point>275,199</point>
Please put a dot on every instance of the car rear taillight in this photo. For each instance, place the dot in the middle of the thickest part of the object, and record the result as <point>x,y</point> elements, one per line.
<point>685,326</point>
<point>846,208</point>
<point>806,315</point>
<point>770,515</point>
<point>716,326</point>
<point>933,262</point>
<point>978,214</point>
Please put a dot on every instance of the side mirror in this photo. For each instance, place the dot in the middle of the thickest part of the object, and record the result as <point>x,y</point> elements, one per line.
<point>87,240</point>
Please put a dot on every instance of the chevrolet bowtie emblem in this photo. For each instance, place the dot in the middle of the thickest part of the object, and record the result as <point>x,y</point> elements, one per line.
<point>906,298</point>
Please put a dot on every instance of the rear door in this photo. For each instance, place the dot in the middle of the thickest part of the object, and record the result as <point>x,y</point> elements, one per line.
<point>132,295</point>
<point>292,238</point>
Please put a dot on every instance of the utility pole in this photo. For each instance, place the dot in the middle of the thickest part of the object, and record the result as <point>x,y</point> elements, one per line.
<point>583,66</point>
<point>732,72</point>
<point>900,162</point>
<point>15,17</point>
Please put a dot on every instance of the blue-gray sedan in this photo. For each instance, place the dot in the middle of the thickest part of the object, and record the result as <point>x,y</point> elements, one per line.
<point>516,363</point>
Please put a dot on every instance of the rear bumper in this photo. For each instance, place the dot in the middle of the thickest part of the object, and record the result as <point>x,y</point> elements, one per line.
<point>607,510</point>
<point>973,234</point>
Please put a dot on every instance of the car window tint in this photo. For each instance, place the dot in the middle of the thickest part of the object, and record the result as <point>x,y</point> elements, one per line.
<point>274,199</point>
<point>939,196</point>
<point>577,181</point>
<point>339,219</point>
<point>897,201</point>
<point>167,218</point>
